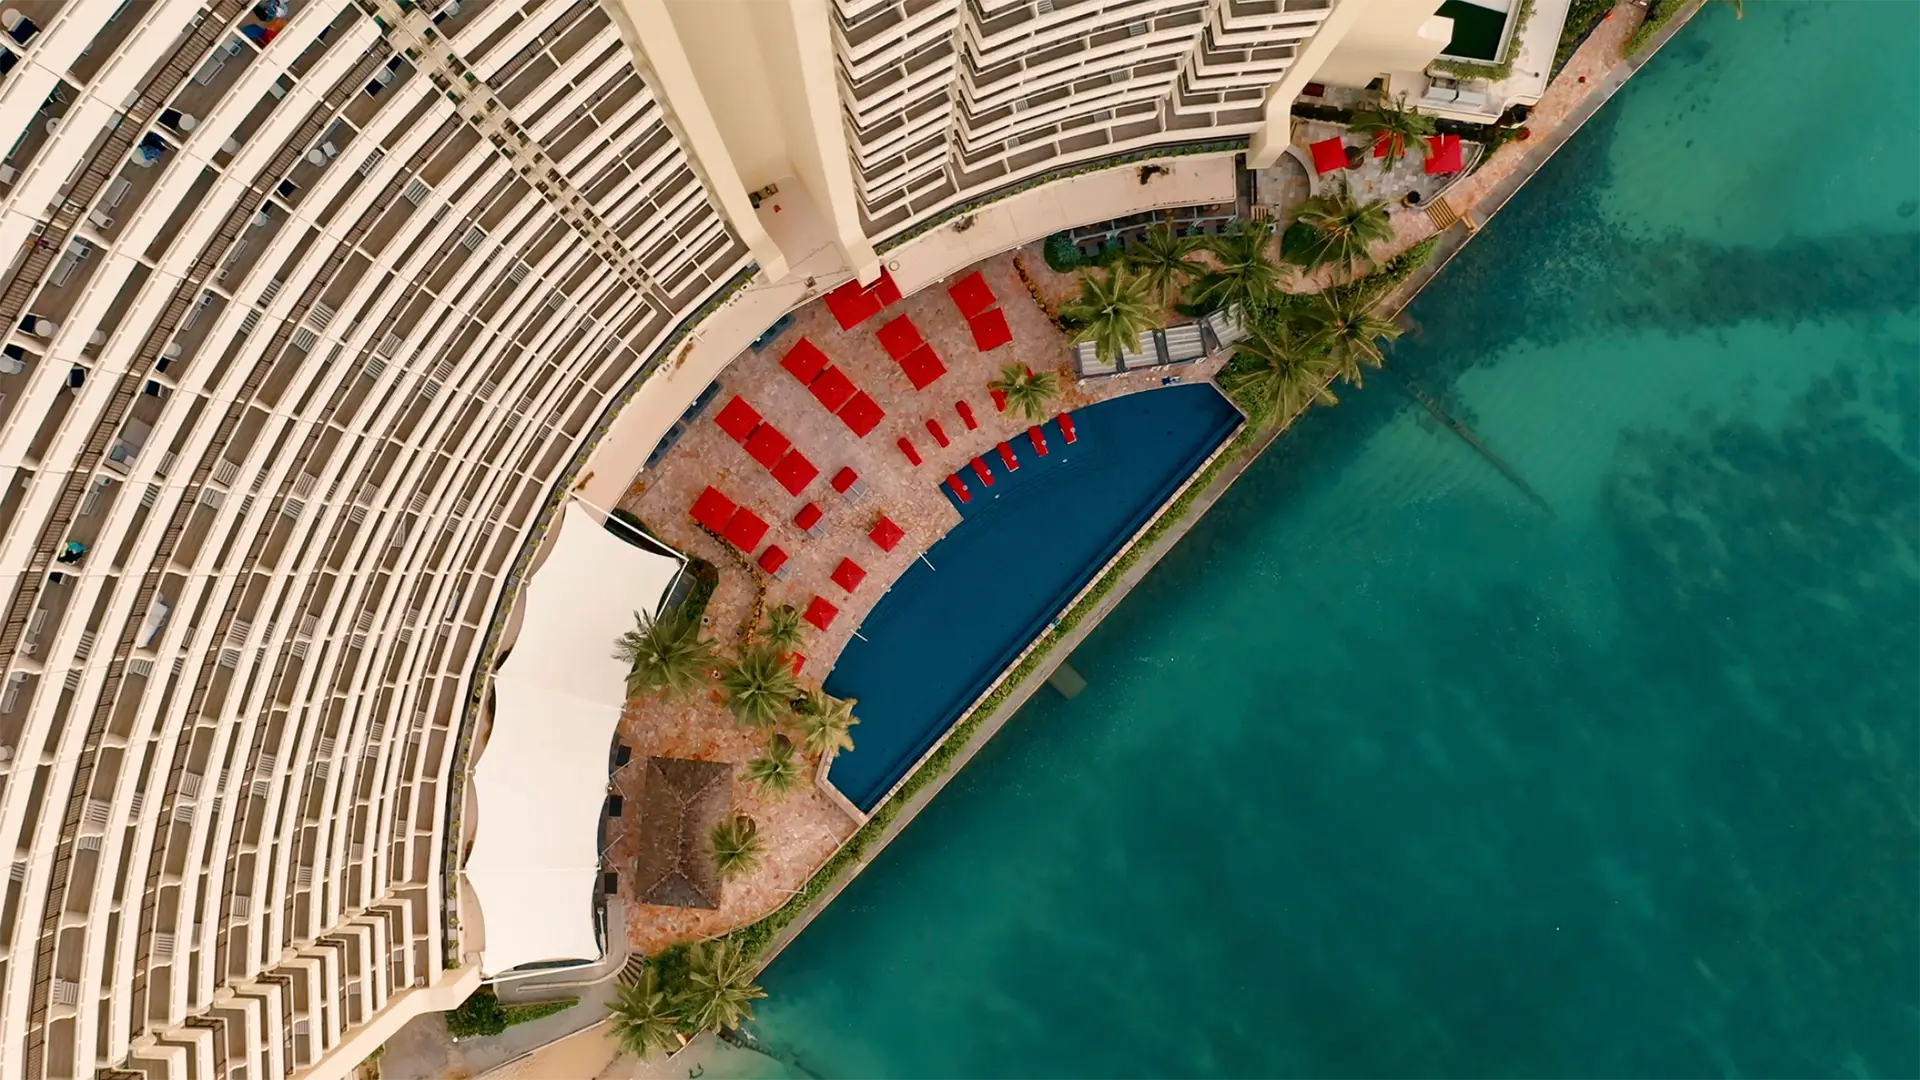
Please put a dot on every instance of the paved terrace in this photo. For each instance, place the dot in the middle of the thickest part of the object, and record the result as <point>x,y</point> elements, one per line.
<point>805,828</point>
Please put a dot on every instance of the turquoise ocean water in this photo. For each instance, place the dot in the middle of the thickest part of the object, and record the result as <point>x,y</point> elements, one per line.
<point>1386,771</point>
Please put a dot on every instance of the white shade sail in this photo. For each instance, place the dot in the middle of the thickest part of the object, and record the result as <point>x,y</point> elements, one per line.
<point>542,779</point>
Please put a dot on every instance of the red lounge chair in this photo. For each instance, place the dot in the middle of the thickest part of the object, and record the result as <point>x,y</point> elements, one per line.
<point>797,661</point>
<point>886,535</point>
<point>795,472</point>
<point>767,446</point>
<point>1039,440</point>
<point>939,433</point>
<point>1381,144</point>
<point>820,613</point>
<point>848,575</point>
<point>900,338</point>
<point>906,447</point>
<point>804,361</point>
<point>1006,457</point>
<point>1329,155</point>
<point>713,510</point>
<point>972,295</point>
<point>959,487</point>
<point>844,479</point>
<point>1066,429</point>
<point>738,419</point>
<point>808,517</point>
<point>980,470</point>
<point>923,367</point>
<point>772,559</point>
<point>745,530</point>
<point>833,389</point>
<point>862,414</point>
<point>999,400</point>
<point>966,415</point>
<point>990,330</point>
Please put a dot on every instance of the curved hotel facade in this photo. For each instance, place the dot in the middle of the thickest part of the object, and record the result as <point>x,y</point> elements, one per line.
<point>315,309</point>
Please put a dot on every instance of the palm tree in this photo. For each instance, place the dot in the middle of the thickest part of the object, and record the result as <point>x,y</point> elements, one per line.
<point>1342,324</point>
<point>642,1017</point>
<point>1347,228</point>
<point>1164,262</point>
<point>1028,393</point>
<point>759,686</point>
<point>775,771</point>
<point>1112,312</point>
<point>824,722</point>
<point>1275,377</point>
<point>736,846</point>
<point>1395,125</point>
<point>665,653</point>
<point>720,991</point>
<point>1247,275</point>
<point>782,631</point>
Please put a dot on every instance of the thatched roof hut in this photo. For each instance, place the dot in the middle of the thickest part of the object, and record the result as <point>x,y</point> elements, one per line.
<point>680,802</point>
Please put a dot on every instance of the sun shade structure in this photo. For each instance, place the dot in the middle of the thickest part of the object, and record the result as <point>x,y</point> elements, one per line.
<point>906,447</point>
<point>849,574</point>
<point>712,510</point>
<point>972,295</point>
<point>820,613</point>
<point>862,414</point>
<point>886,535</point>
<point>737,419</point>
<point>923,367</point>
<point>804,361</point>
<point>680,803</point>
<point>900,337</point>
<point>853,303</point>
<point>795,472</point>
<point>1384,142</point>
<point>1444,156</point>
<point>844,479</point>
<point>745,530</point>
<point>767,446</point>
<point>772,559</point>
<point>990,330</point>
<point>833,389</point>
<point>808,517</point>
<point>1329,155</point>
<point>541,781</point>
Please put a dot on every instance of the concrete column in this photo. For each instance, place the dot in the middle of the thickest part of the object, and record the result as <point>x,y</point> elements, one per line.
<point>1276,130</point>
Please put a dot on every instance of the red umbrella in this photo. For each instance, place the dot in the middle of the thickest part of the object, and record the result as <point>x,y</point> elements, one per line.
<point>990,330</point>
<point>745,530</point>
<point>767,446</point>
<point>795,472</point>
<point>713,510</point>
<point>832,388</point>
<point>772,559</point>
<point>886,535</point>
<point>900,337</point>
<point>844,479</point>
<point>820,613</point>
<point>804,361</point>
<point>862,414</point>
<point>848,575</point>
<point>808,517</point>
<point>972,295</point>
<point>1329,155</point>
<point>1445,157</point>
<point>738,419</point>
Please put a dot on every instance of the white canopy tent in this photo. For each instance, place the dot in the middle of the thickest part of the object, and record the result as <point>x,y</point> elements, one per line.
<point>542,779</point>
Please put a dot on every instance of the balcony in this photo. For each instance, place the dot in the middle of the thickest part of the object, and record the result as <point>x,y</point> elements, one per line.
<point>40,129</point>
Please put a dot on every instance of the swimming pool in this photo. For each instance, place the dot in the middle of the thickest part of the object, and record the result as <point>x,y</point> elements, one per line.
<point>1023,548</point>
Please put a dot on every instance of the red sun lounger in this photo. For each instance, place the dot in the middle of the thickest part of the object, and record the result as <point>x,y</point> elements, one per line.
<point>980,470</point>
<point>832,389</point>
<point>900,338</point>
<point>738,419</point>
<point>906,447</point>
<point>999,400</point>
<point>797,661</point>
<point>972,295</point>
<point>939,433</point>
<point>772,559</point>
<point>862,414</point>
<point>849,574</point>
<point>820,613</point>
<point>745,530</point>
<point>1006,457</point>
<point>1066,429</point>
<point>804,361</point>
<point>923,367</point>
<point>767,446</point>
<point>1039,440</point>
<point>959,488</point>
<point>966,415</point>
<point>795,472</point>
<point>712,510</point>
<point>886,535</point>
<point>990,330</point>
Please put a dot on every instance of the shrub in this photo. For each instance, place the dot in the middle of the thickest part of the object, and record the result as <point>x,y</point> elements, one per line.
<point>1663,14</point>
<point>1061,254</point>
<point>520,1014</point>
<point>705,580</point>
<point>1297,244</point>
<point>480,1014</point>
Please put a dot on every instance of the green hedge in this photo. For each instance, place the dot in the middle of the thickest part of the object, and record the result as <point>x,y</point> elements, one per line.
<point>1662,15</point>
<point>520,1014</point>
<point>484,1014</point>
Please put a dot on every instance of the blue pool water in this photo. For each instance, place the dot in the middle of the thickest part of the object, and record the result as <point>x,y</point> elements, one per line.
<point>1022,549</point>
<point>1385,772</point>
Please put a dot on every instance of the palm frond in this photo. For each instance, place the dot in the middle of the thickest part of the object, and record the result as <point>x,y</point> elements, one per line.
<point>665,654</point>
<point>737,846</point>
<point>759,686</point>
<point>775,771</point>
<point>1112,311</point>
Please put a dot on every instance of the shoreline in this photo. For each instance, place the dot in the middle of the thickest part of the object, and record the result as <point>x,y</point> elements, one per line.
<point>1142,553</point>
